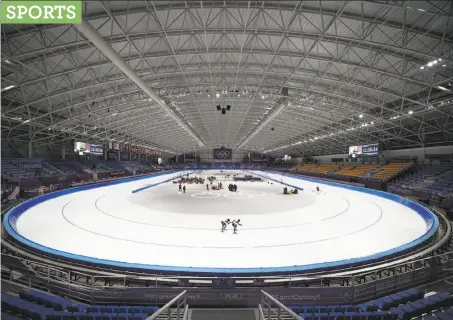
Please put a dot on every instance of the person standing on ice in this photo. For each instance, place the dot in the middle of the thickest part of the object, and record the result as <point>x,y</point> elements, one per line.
<point>184,189</point>
<point>317,188</point>
<point>235,225</point>
<point>180,187</point>
<point>207,187</point>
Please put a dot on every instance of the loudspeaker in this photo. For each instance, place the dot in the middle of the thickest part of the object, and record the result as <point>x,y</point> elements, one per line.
<point>228,107</point>
<point>223,111</point>
<point>218,107</point>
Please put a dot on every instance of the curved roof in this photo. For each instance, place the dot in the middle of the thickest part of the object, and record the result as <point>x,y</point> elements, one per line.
<point>306,77</point>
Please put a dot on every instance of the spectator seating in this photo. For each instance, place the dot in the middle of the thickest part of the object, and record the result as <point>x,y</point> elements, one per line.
<point>97,165</point>
<point>403,305</point>
<point>132,165</point>
<point>436,179</point>
<point>355,170</point>
<point>325,168</point>
<point>390,170</point>
<point>36,305</point>
<point>71,167</point>
<point>307,167</point>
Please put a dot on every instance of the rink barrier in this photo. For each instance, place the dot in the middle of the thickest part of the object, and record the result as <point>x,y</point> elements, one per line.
<point>432,221</point>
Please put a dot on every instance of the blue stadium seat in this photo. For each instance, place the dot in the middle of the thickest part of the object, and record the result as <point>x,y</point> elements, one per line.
<point>92,309</point>
<point>138,316</point>
<point>337,315</point>
<point>134,310</point>
<point>149,310</point>
<point>68,316</point>
<point>443,315</point>
<point>368,307</point>
<point>384,303</point>
<point>106,309</point>
<point>122,316</point>
<point>120,310</point>
<point>390,316</point>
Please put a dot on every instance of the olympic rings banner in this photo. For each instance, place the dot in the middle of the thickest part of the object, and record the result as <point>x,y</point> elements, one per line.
<point>222,154</point>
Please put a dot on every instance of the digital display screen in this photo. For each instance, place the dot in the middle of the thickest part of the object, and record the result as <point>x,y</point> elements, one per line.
<point>371,149</point>
<point>355,151</point>
<point>87,148</point>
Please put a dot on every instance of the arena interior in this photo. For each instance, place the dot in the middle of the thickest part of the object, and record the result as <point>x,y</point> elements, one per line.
<point>245,160</point>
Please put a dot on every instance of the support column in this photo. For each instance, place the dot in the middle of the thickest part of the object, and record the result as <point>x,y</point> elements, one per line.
<point>30,146</point>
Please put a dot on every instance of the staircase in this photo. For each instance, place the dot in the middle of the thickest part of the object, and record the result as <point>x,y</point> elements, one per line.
<point>223,314</point>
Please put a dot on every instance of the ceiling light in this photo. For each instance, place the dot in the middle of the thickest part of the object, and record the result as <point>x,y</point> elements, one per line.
<point>430,64</point>
<point>115,114</point>
<point>150,99</point>
<point>440,59</point>
<point>217,95</point>
<point>444,65</point>
<point>262,97</point>
<point>8,62</point>
<point>8,88</point>
<point>435,61</point>
<point>360,116</point>
<point>26,121</point>
<point>443,88</point>
<point>422,67</point>
<point>311,108</point>
<point>410,112</point>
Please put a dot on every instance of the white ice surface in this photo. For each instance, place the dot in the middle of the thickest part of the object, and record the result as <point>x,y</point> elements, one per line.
<point>278,230</point>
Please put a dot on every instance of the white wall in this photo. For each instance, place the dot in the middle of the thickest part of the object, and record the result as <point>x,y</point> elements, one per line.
<point>328,158</point>
<point>418,152</point>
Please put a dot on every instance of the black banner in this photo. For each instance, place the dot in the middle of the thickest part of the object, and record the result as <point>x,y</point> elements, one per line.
<point>243,297</point>
<point>124,156</point>
<point>111,154</point>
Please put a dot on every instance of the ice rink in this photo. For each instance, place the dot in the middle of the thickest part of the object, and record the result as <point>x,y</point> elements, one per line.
<point>160,226</point>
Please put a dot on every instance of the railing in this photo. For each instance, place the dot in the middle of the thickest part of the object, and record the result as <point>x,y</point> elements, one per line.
<point>271,308</point>
<point>180,311</point>
<point>132,291</point>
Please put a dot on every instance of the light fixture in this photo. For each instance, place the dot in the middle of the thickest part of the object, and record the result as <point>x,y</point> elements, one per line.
<point>115,114</point>
<point>430,64</point>
<point>442,88</point>
<point>360,116</point>
<point>262,97</point>
<point>410,112</point>
<point>8,88</point>
<point>26,121</point>
<point>440,59</point>
<point>422,67</point>
<point>435,61</point>
<point>217,95</point>
<point>150,99</point>
<point>444,65</point>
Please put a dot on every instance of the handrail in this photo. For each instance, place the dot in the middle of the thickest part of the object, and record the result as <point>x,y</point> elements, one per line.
<point>186,313</point>
<point>279,304</point>
<point>260,309</point>
<point>169,304</point>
